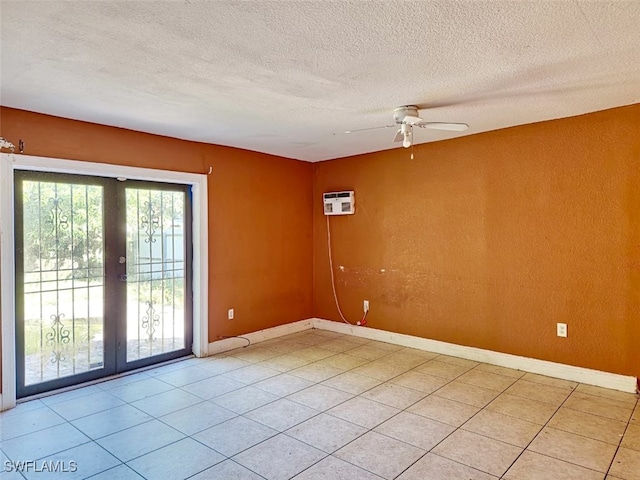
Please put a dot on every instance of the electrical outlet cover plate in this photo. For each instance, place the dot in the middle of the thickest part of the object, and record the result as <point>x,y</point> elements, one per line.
<point>230,314</point>
<point>562,330</point>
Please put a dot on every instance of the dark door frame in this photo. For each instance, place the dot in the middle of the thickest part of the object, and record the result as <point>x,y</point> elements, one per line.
<point>115,286</point>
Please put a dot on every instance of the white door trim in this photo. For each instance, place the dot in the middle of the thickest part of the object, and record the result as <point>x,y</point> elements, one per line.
<point>11,162</point>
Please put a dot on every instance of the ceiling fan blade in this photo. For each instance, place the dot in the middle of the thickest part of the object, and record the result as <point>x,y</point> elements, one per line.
<point>411,120</point>
<point>369,128</point>
<point>452,127</point>
<point>399,136</point>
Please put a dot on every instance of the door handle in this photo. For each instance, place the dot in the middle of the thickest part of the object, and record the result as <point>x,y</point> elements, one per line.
<point>123,277</point>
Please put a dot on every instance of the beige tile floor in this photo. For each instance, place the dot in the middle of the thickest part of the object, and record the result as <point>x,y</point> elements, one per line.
<point>319,405</point>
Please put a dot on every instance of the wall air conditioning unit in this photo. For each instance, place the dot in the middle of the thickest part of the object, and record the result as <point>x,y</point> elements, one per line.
<point>339,203</point>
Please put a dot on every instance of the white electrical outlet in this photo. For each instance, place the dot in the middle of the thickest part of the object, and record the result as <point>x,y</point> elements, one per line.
<point>562,329</point>
<point>230,314</point>
<point>365,306</point>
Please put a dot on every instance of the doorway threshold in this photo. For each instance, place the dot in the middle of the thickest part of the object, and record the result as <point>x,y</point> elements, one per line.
<point>102,380</point>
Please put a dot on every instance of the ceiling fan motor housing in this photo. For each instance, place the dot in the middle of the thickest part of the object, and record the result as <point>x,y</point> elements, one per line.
<point>400,113</point>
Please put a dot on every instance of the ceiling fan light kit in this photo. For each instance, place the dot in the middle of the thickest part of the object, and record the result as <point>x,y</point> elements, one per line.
<point>407,134</point>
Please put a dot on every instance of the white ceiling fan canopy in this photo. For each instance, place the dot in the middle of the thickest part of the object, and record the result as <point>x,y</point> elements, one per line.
<point>410,115</point>
<point>407,114</point>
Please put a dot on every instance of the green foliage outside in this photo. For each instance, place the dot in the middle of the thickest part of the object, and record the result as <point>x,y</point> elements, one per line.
<point>63,228</point>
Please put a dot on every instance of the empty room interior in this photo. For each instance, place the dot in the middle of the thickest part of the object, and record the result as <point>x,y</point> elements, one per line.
<point>320,240</point>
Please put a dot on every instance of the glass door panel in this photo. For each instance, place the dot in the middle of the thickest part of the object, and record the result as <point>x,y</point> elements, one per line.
<point>60,280</point>
<point>156,272</point>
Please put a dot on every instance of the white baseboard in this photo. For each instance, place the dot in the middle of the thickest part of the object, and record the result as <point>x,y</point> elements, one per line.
<point>558,370</point>
<point>259,336</point>
<point>587,376</point>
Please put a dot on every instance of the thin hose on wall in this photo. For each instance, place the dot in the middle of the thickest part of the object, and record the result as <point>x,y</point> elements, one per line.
<point>333,281</point>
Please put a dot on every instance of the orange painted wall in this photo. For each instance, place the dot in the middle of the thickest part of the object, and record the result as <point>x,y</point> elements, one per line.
<point>489,240</point>
<point>260,220</point>
<point>486,240</point>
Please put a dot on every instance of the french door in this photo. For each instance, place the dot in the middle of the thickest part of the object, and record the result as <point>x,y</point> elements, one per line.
<point>103,277</point>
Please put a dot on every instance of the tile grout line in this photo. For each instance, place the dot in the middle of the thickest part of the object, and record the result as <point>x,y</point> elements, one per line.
<point>626,429</point>
<point>597,414</point>
<point>456,428</point>
<point>242,415</point>
<point>369,430</point>
<point>292,426</point>
<point>325,412</point>
<point>92,440</point>
<point>543,427</point>
<point>481,409</point>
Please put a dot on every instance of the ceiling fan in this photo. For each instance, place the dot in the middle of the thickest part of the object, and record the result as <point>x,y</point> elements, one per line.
<point>408,117</point>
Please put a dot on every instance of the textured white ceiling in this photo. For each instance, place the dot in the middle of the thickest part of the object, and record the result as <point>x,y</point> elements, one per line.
<point>289,77</point>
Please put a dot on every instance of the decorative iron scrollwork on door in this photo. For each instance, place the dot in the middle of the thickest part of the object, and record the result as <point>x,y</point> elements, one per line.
<point>59,218</point>
<point>57,338</point>
<point>150,223</point>
<point>150,321</point>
